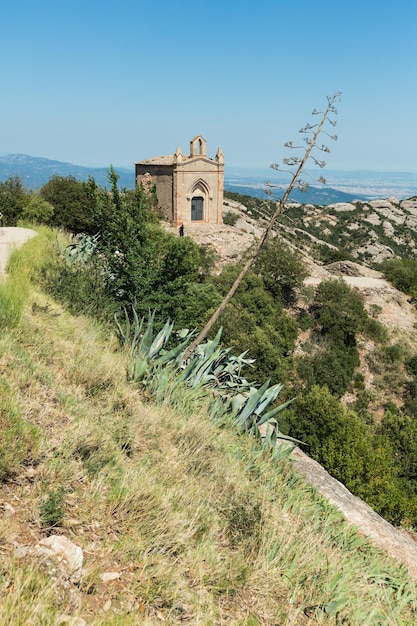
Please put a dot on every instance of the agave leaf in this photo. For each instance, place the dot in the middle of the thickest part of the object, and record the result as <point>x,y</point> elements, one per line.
<point>237,402</point>
<point>185,332</point>
<point>210,346</point>
<point>200,363</point>
<point>268,397</point>
<point>282,452</point>
<point>268,416</point>
<point>201,372</point>
<point>171,355</point>
<point>123,333</point>
<point>190,367</point>
<point>137,325</point>
<point>147,335</point>
<point>271,439</point>
<point>292,439</point>
<point>161,339</point>
<point>219,369</point>
<point>251,404</point>
<point>140,369</point>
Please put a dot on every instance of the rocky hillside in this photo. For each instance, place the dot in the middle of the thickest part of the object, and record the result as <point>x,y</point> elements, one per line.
<point>366,232</point>
<point>341,240</point>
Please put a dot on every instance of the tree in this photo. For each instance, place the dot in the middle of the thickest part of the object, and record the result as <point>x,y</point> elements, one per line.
<point>293,163</point>
<point>13,197</point>
<point>333,366</point>
<point>346,446</point>
<point>281,268</point>
<point>341,312</point>
<point>72,202</point>
<point>134,260</point>
<point>255,321</point>
<point>38,210</point>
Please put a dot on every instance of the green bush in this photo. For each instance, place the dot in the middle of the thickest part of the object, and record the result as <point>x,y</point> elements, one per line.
<point>330,255</point>
<point>13,197</point>
<point>393,354</point>
<point>347,447</point>
<point>38,211</point>
<point>281,268</point>
<point>341,312</point>
<point>402,273</point>
<point>411,365</point>
<point>332,366</point>
<point>73,203</point>
<point>305,321</point>
<point>375,330</point>
<point>230,218</point>
<point>401,431</point>
<point>255,321</point>
<point>410,397</point>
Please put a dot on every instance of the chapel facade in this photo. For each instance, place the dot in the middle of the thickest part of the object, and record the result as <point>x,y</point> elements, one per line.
<point>189,188</point>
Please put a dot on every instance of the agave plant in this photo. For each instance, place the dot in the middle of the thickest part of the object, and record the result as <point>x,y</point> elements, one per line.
<point>210,366</point>
<point>80,251</point>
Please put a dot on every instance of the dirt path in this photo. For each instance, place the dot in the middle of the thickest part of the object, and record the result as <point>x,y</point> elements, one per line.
<point>12,237</point>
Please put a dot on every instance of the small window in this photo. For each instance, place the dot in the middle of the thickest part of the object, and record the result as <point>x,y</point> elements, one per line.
<point>197,204</point>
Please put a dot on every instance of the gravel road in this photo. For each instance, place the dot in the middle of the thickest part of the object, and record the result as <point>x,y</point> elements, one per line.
<point>12,237</point>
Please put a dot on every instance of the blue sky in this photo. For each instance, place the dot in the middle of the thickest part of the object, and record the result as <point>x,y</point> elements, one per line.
<point>95,83</point>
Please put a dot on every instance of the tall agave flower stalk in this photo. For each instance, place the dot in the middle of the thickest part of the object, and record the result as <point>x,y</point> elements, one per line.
<point>211,367</point>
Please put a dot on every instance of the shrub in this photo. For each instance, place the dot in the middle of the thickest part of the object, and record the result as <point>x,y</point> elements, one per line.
<point>230,218</point>
<point>402,273</point>
<point>72,201</point>
<point>346,446</point>
<point>332,366</point>
<point>375,330</point>
<point>411,365</point>
<point>38,211</point>
<point>393,354</point>
<point>341,313</point>
<point>281,269</point>
<point>13,197</point>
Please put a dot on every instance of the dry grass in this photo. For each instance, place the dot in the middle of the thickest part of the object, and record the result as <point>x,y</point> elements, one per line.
<point>197,524</point>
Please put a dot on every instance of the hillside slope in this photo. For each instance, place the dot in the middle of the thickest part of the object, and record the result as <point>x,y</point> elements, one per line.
<point>167,517</point>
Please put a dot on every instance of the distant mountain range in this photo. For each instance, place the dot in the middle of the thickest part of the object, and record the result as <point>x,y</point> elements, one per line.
<point>36,171</point>
<point>342,186</point>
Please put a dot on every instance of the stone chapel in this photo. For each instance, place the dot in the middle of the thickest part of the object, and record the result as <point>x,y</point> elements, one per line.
<point>189,188</point>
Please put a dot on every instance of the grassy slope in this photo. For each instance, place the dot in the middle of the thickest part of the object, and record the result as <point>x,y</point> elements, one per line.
<point>199,525</point>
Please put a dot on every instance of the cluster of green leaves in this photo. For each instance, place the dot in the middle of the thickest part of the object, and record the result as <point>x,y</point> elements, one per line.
<point>402,273</point>
<point>256,319</point>
<point>124,256</point>
<point>72,201</point>
<point>13,198</point>
<point>339,315</point>
<point>376,463</point>
<point>63,201</point>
